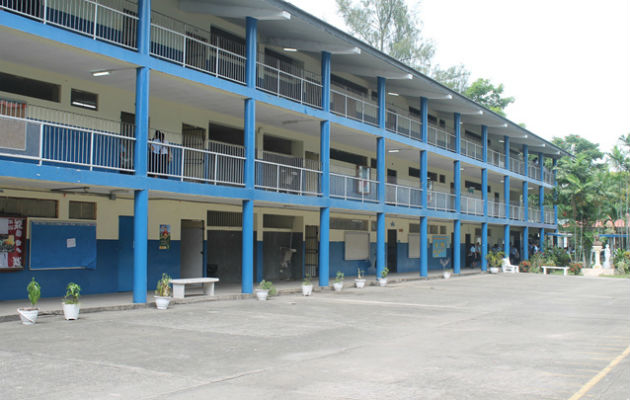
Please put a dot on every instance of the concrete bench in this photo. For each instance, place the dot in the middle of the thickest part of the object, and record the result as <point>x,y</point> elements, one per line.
<point>507,267</point>
<point>179,286</point>
<point>546,267</point>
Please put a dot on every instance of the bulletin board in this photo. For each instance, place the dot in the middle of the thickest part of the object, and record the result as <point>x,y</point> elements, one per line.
<point>357,246</point>
<point>414,245</point>
<point>62,245</point>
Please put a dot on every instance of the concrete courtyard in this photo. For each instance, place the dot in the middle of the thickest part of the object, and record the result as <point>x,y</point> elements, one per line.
<point>476,337</point>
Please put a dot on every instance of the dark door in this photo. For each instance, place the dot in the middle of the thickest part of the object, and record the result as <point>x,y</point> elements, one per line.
<point>392,250</point>
<point>467,246</point>
<point>391,176</point>
<point>311,258</point>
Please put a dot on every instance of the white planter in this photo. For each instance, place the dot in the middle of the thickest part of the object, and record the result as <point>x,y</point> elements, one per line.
<point>382,281</point>
<point>71,311</point>
<point>359,283</point>
<point>162,302</point>
<point>446,274</point>
<point>307,290</point>
<point>28,315</point>
<point>338,286</point>
<point>262,294</point>
<point>494,270</point>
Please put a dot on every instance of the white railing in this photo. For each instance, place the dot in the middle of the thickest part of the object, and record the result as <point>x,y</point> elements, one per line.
<point>533,214</point>
<point>403,126</point>
<point>353,108</point>
<point>517,212</point>
<point>304,90</point>
<point>194,52</point>
<point>353,188</point>
<point>534,172</point>
<point>287,179</point>
<point>496,158</point>
<point>440,201</point>
<point>471,205</point>
<point>517,166</point>
<point>548,176</point>
<point>496,209</point>
<point>550,217</point>
<point>85,17</point>
<point>441,138</point>
<point>472,150</point>
<point>404,196</point>
<point>51,136</point>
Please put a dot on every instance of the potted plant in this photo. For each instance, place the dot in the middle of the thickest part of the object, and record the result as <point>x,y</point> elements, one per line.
<point>338,283</point>
<point>495,258</point>
<point>382,281</point>
<point>360,279</point>
<point>163,292</point>
<point>307,286</point>
<point>71,304</point>
<point>524,266</point>
<point>265,288</point>
<point>28,315</point>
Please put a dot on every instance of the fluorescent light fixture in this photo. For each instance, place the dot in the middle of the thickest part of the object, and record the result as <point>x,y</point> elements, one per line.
<point>393,94</point>
<point>448,97</point>
<point>290,49</point>
<point>525,137</point>
<point>101,73</point>
<point>544,145</point>
<point>480,112</point>
<point>85,105</point>
<point>505,125</point>
<point>393,151</point>
<point>500,140</point>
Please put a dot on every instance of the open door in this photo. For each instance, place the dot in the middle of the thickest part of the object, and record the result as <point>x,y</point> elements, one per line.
<point>191,249</point>
<point>392,250</point>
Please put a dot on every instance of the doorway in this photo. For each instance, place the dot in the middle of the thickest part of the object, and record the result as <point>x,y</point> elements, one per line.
<point>311,256</point>
<point>467,246</point>
<point>392,250</point>
<point>193,137</point>
<point>191,249</point>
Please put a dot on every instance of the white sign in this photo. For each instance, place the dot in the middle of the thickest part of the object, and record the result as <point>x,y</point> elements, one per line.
<point>71,242</point>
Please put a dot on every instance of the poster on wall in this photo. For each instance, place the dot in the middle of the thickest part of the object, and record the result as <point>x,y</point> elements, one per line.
<point>440,244</point>
<point>12,238</point>
<point>165,237</point>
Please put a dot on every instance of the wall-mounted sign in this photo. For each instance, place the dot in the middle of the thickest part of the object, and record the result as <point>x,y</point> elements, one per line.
<point>12,238</point>
<point>165,237</point>
<point>440,244</point>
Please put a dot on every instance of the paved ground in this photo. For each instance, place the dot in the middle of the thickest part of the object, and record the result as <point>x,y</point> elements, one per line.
<point>477,337</point>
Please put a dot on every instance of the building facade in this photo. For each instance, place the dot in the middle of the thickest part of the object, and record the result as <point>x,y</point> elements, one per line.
<point>245,140</point>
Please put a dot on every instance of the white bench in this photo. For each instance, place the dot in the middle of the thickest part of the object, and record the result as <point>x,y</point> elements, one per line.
<point>179,286</point>
<point>507,267</point>
<point>546,267</point>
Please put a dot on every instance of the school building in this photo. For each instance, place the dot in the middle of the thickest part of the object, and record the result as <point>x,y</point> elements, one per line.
<point>289,149</point>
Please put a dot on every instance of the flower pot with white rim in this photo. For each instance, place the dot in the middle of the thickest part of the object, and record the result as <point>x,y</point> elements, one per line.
<point>446,274</point>
<point>338,286</point>
<point>71,311</point>
<point>359,283</point>
<point>307,290</point>
<point>28,315</point>
<point>162,302</point>
<point>265,289</point>
<point>71,306</point>
<point>382,281</point>
<point>162,292</point>
<point>262,294</point>
<point>494,270</point>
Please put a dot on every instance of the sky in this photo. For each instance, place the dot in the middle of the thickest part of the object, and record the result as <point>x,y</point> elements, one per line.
<point>567,63</point>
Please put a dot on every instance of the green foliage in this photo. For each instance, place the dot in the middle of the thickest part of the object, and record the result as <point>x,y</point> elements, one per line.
<point>267,285</point>
<point>575,268</point>
<point>485,93</point>
<point>339,277</point>
<point>359,273</point>
<point>557,255</point>
<point>307,280</point>
<point>384,272</point>
<point>621,261</point>
<point>537,260</point>
<point>455,77</point>
<point>73,292</point>
<point>34,291</point>
<point>495,258</point>
<point>163,288</point>
<point>524,266</point>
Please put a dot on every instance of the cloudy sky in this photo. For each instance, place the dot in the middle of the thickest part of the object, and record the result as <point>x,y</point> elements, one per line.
<point>567,63</point>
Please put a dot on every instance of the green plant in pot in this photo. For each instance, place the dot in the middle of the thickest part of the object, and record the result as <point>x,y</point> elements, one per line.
<point>163,292</point>
<point>28,315</point>
<point>307,285</point>
<point>382,280</point>
<point>265,288</point>
<point>359,281</point>
<point>495,258</point>
<point>71,305</point>
<point>338,283</point>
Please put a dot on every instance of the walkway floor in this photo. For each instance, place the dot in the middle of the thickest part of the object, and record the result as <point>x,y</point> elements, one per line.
<point>124,300</point>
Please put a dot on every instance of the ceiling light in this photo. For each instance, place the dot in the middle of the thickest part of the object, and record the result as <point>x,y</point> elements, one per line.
<point>448,97</point>
<point>525,137</point>
<point>500,140</point>
<point>480,112</point>
<point>290,49</point>
<point>505,125</point>
<point>393,151</point>
<point>101,73</point>
<point>393,94</point>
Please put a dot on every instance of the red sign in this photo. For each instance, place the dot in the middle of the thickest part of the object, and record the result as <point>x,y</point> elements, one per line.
<point>12,238</point>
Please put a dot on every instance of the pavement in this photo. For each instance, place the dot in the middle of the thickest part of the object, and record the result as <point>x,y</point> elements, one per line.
<point>505,336</point>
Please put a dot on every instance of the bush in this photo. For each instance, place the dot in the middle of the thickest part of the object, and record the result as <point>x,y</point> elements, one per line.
<point>267,285</point>
<point>621,261</point>
<point>495,258</point>
<point>524,266</point>
<point>163,289</point>
<point>575,268</point>
<point>73,292</point>
<point>558,256</point>
<point>34,292</point>
<point>537,260</point>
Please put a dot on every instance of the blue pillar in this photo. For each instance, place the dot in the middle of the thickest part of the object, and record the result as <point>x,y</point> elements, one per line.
<point>140,235</point>
<point>542,239</point>
<point>457,121</point>
<point>324,246</point>
<point>141,121</point>
<point>424,178</point>
<point>424,247</point>
<point>380,243</point>
<point>325,81</point>
<point>526,159</point>
<point>380,168</point>
<point>382,107</point>
<point>457,184</point>
<point>424,115</point>
<point>456,246</point>
<point>484,143</point>
<point>144,26</point>
<point>249,172</point>
<point>484,176</point>
<point>324,151</point>
<point>484,246</point>
<point>247,249</point>
<point>506,149</point>
<point>506,195</point>
<point>525,253</point>
<point>555,195</point>
<point>484,190</point>
<point>506,240</point>
<point>251,51</point>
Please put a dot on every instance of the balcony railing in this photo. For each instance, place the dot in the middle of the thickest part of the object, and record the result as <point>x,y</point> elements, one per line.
<point>517,166</point>
<point>550,217</point>
<point>354,108</point>
<point>46,136</point>
<point>472,150</point>
<point>403,196</point>
<point>441,138</point>
<point>304,90</point>
<point>440,201</point>
<point>517,212</point>
<point>533,214</point>
<point>403,126</point>
<point>287,178</point>
<point>496,209</point>
<point>534,172</point>
<point>548,176</point>
<point>471,205</point>
<point>496,158</point>
<point>353,188</point>
<point>85,17</point>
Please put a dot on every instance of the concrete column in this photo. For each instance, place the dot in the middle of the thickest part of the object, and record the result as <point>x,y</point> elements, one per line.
<point>251,28</point>
<point>457,121</point>
<point>382,106</point>
<point>456,246</point>
<point>324,246</point>
<point>542,239</point>
<point>141,121</point>
<point>140,235</point>
<point>144,26</point>
<point>525,252</point>
<point>380,243</point>
<point>325,81</point>
<point>506,239</point>
<point>541,188</point>
<point>555,195</point>
<point>484,246</point>
<point>249,172</point>
<point>247,250</point>
<point>424,247</point>
<point>380,168</point>
<point>424,115</point>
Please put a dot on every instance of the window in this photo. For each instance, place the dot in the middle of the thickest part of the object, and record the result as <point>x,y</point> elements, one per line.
<point>414,172</point>
<point>24,207</point>
<point>82,210</point>
<point>433,229</point>
<point>348,85</point>
<point>442,230</point>
<point>414,228</point>
<point>29,87</point>
<point>345,156</point>
<point>347,224</point>
<point>432,176</point>
<point>226,134</point>
<point>278,221</point>
<point>442,178</point>
<point>276,145</point>
<point>79,98</point>
<point>225,218</point>
<point>227,41</point>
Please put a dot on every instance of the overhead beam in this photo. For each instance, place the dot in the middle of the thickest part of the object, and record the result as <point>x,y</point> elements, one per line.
<point>372,72</point>
<point>312,45</point>
<point>203,7</point>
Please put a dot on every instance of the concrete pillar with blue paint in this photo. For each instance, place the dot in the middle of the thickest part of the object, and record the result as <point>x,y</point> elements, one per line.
<point>324,155</point>
<point>251,45</point>
<point>144,26</point>
<point>457,118</point>
<point>382,107</point>
<point>555,194</point>
<point>324,246</point>
<point>484,196</point>
<point>506,197</point>
<point>424,239</point>
<point>484,246</point>
<point>541,188</point>
<point>525,252</point>
<point>248,247</point>
<point>380,217</point>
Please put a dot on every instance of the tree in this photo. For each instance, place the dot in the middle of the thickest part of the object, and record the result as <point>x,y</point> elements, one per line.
<point>619,206</point>
<point>485,93</point>
<point>455,77</point>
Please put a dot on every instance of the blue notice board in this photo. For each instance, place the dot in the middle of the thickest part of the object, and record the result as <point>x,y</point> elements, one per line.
<point>62,245</point>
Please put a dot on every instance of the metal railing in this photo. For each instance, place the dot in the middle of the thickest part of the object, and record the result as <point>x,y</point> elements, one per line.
<point>534,172</point>
<point>496,209</point>
<point>517,212</point>
<point>496,158</point>
<point>440,201</point>
<point>85,17</point>
<point>550,217</point>
<point>353,188</point>
<point>517,166</point>
<point>304,90</point>
<point>287,179</point>
<point>46,135</point>
<point>403,196</point>
<point>472,150</point>
<point>353,108</point>
<point>533,214</point>
<point>441,138</point>
<point>403,126</point>
<point>471,205</point>
<point>191,49</point>
<point>548,176</point>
